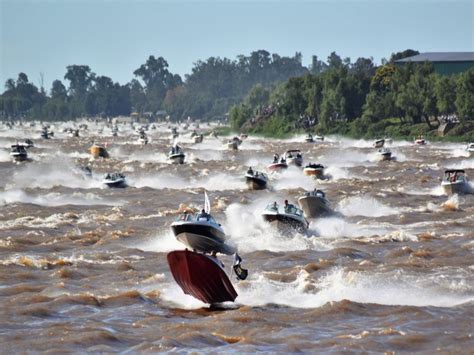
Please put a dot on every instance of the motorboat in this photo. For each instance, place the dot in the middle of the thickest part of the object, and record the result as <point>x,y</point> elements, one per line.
<point>470,147</point>
<point>115,180</point>
<point>384,154</point>
<point>313,169</point>
<point>143,138</point>
<point>278,163</point>
<point>314,204</point>
<point>379,143</point>
<point>420,140</point>
<point>309,138</point>
<point>27,143</point>
<point>18,152</point>
<point>46,134</point>
<point>455,182</point>
<point>286,218</point>
<point>256,180</point>
<point>72,133</point>
<point>176,155</point>
<point>294,157</point>
<point>114,131</point>
<point>234,143</point>
<point>202,233</point>
<point>198,138</point>
<point>98,151</point>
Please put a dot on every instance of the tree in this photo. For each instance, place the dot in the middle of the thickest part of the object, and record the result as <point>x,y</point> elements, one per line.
<point>58,91</point>
<point>80,78</point>
<point>465,95</point>
<point>404,54</point>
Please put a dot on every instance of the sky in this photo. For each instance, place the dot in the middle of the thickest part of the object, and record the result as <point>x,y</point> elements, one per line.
<point>115,37</point>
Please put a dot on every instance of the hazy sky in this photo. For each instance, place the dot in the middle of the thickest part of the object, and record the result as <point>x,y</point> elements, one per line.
<point>115,37</point>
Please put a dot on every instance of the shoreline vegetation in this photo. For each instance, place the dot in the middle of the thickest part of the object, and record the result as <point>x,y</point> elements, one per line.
<point>267,95</point>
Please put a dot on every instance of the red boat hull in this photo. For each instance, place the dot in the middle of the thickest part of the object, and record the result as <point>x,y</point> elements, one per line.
<point>200,277</point>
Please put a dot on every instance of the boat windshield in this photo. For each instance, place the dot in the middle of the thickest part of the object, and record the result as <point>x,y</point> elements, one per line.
<point>290,209</point>
<point>196,217</point>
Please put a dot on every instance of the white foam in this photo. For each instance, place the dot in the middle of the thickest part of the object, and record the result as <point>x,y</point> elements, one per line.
<point>364,206</point>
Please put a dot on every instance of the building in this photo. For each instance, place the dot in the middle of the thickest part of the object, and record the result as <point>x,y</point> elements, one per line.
<point>445,63</point>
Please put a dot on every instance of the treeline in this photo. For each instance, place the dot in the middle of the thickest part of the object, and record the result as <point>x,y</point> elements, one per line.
<point>360,99</point>
<point>208,92</point>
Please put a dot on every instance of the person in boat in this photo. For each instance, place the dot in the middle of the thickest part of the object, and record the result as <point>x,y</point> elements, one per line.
<point>107,176</point>
<point>250,171</point>
<point>203,215</point>
<point>298,155</point>
<point>288,206</point>
<point>275,158</point>
<point>275,206</point>
<point>282,160</point>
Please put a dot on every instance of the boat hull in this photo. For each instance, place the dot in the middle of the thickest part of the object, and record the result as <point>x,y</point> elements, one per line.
<point>285,224</point>
<point>201,237</point>
<point>314,206</point>
<point>198,139</point>
<point>99,152</point>
<point>201,277</point>
<point>316,172</point>
<point>116,184</point>
<point>456,188</point>
<point>177,159</point>
<point>277,167</point>
<point>233,146</point>
<point>295,161</point>
<point>255,183</point>
<point>385,157</point>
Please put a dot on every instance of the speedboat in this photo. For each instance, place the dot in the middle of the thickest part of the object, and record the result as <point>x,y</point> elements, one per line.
<point>198,138</point>
<point>309,138</point>
<point>176,155</point>
<point>234,143</point>
<point>455,182</point>
<point>470,147</point>
<point>256,180</point>
<point>312,169</point>
<point>143,139</point>
<point>98,151</point>
<point>202,233</point>
<point>379,143</point>
<point>27,143</point>
<point>18,152</point>
<point>420,140</point>
<point>115,180</point>
<point>278,164</point>
<point>294,157</point>
<point>286,218</point>
<point>384,154</point>
<point>314,204</point>
<point>72,133</point>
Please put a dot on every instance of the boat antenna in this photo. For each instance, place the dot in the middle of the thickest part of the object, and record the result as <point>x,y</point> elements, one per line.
<point>207,204</point>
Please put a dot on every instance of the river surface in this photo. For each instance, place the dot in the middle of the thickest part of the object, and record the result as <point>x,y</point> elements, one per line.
<point>83,267</point>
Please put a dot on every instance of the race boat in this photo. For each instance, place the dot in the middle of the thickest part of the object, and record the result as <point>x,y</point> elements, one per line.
<point>379,143</point>
<point>142,138</point>
<point>294,157</point>
<point>312,169</point>
<point>234,143</point>
<point>286,218</point>
<point>45,133</point>
<point>27,143</point>
<point>278,164</point>
<point>470,147</point>
<point>176,155</point>
<point>384,154</point>
<point>309,138</point>
<point>98,151</point>
<point>314,204</point>
<point>199,275</point>
<point>198,138</point>
<point>72,133</point>
<point>18,152</point>
<point>256,180</point>
<point>420,140</point>
<point>115,180</point>
<point>202,276</point>
<point>201,232</point>
<point>455,182</point>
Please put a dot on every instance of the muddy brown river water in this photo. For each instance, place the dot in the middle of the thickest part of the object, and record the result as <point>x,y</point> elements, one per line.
<point>83,267</point>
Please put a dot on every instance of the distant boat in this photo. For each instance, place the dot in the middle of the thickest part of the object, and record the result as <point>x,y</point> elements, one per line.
<point>455,182</point>
<point>18,152</point>
<point>384,154</point>
<point>420,140</point>
<point>98,151</point>
<point>294,157</point>
<point>379,143</point>
<point>256,180</point>
<point>176,155</point>
<point>285,218</point>
<point>116,180</point>
<point>470,147</point>
<point>312,169</point>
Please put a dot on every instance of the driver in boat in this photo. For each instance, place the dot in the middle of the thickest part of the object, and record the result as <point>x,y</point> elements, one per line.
<point>288,206</point>
<point>203,216</point>
<point>283,161</point>
<point>275,158</point>
<point>250,171</point>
